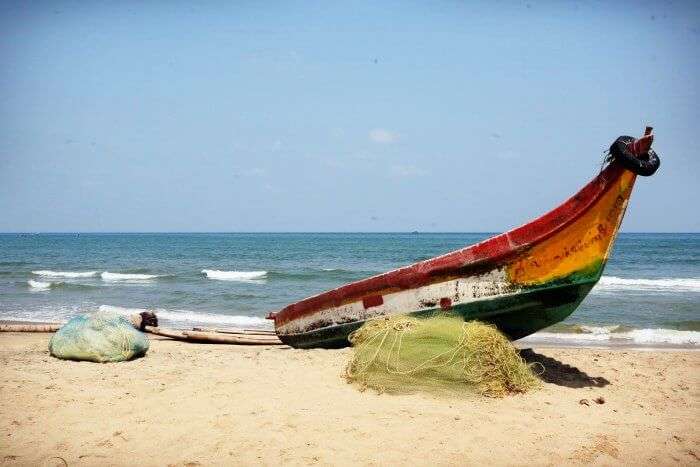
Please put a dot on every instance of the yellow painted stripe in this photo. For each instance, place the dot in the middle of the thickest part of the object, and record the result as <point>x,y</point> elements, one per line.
<point>580,245</point>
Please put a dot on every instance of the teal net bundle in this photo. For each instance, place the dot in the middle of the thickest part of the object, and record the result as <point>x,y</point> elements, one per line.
<point>440,354</point>
<point>99,337</point>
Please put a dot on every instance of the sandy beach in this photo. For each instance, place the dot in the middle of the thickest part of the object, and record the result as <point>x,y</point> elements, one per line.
<point>196,404</point>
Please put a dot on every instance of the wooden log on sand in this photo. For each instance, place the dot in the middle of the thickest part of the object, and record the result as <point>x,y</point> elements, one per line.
<point>29,327</point>
<point>171,333</point>
<point>214,338</point>
<point>220,338</point>
<point>247,332</point>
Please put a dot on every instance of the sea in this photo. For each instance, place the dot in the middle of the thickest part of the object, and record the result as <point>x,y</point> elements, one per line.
<point>649,294</point>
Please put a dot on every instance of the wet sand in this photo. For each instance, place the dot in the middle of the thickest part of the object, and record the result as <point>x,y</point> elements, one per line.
<point>192,404</point>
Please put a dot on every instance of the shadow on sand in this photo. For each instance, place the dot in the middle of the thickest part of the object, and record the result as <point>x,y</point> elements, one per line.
<point>561,374</point>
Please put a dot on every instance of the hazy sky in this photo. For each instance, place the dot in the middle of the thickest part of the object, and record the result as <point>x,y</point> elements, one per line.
<point>347,116</point>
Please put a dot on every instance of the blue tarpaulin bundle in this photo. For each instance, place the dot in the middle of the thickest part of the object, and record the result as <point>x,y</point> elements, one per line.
<point>98,337</point>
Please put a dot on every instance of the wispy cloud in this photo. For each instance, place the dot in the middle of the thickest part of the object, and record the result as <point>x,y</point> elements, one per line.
<point>406,171</point>
<point>382,136</point>
<point>250,172</point>
<point>269,187</point>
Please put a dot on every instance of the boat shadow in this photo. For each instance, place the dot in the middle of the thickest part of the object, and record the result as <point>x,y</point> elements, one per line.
<point>556,372</point>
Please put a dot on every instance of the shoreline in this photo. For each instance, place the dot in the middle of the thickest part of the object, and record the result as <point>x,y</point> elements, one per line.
<point>189,404</point>
<point>558,340</point>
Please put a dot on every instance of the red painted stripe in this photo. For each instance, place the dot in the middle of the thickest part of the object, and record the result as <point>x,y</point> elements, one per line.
<point>372,300</point>
<point>491,252</point>
<point>445,303</point>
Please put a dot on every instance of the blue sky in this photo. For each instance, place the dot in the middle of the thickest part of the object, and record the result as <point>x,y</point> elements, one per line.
<point>338,116</point>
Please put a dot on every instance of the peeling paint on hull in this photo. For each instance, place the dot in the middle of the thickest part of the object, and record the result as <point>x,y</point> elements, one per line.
<point>522,281</point>
<point>516,316</point>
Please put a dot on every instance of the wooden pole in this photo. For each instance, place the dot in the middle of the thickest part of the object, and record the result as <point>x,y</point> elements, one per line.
<point>247,332</point>
<point>171,333</point>
<point>221,338</point>
<point>215,338</point>
<point>30,327</point>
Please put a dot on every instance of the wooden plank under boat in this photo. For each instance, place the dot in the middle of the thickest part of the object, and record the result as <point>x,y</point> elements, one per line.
<point>522,280</point>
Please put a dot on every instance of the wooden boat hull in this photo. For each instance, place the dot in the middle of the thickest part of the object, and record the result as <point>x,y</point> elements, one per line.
<point>522,281</point>
<point>516,316</point>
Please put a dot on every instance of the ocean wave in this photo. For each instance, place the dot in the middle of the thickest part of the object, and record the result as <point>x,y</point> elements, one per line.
<point>117,276</point>
<point>617,335</point>
<point>348,272</point>
<point>39,285</point>
<point>42,314</point>
<point>574,328</point>
<point>240,276</point>
<point>308,274</point>
<point>192,317</point>
<point>13,263</point>
<point>45,285</point>
<point>673,284</point>
<point>684,325</point>
<point>66,274</point>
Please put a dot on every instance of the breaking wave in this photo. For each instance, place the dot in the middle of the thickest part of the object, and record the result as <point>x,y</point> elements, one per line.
<point>241,276</point>
<point>66,274</point>
<point>106,275</point>
<point>50,313</point>
<point>674,284</point>
<point>186,317</point>
<point>117,276</point>
<point>38,285</point>
<point>615,335</point>
<point>46,285</point>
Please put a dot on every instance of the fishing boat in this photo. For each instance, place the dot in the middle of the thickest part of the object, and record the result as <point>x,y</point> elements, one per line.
<point>522,280</point>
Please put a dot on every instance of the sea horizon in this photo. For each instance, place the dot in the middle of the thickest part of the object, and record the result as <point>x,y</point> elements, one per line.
<point>349,232</point>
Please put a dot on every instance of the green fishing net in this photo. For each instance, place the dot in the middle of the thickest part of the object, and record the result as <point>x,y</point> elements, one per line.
<point>98,337</point>
<point>440,354</point>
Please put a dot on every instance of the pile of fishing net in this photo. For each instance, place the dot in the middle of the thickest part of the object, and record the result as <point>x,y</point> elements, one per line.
<point>99,337</point>
<point>440,354</point>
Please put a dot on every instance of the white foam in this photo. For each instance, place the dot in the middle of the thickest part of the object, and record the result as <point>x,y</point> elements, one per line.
<point>193,317</point>
<point>38,285</point>
<point>121,310</point>
<point>116,276</point>
<point>241,276</point>
<point>606,335</point>
<point>599,329</point>
<point>664,336</point>
<point>45,313</point>
<point>672,284</point>
<point>67,274</point>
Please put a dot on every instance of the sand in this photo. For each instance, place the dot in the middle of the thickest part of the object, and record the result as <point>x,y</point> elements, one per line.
<point>192,404</point>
